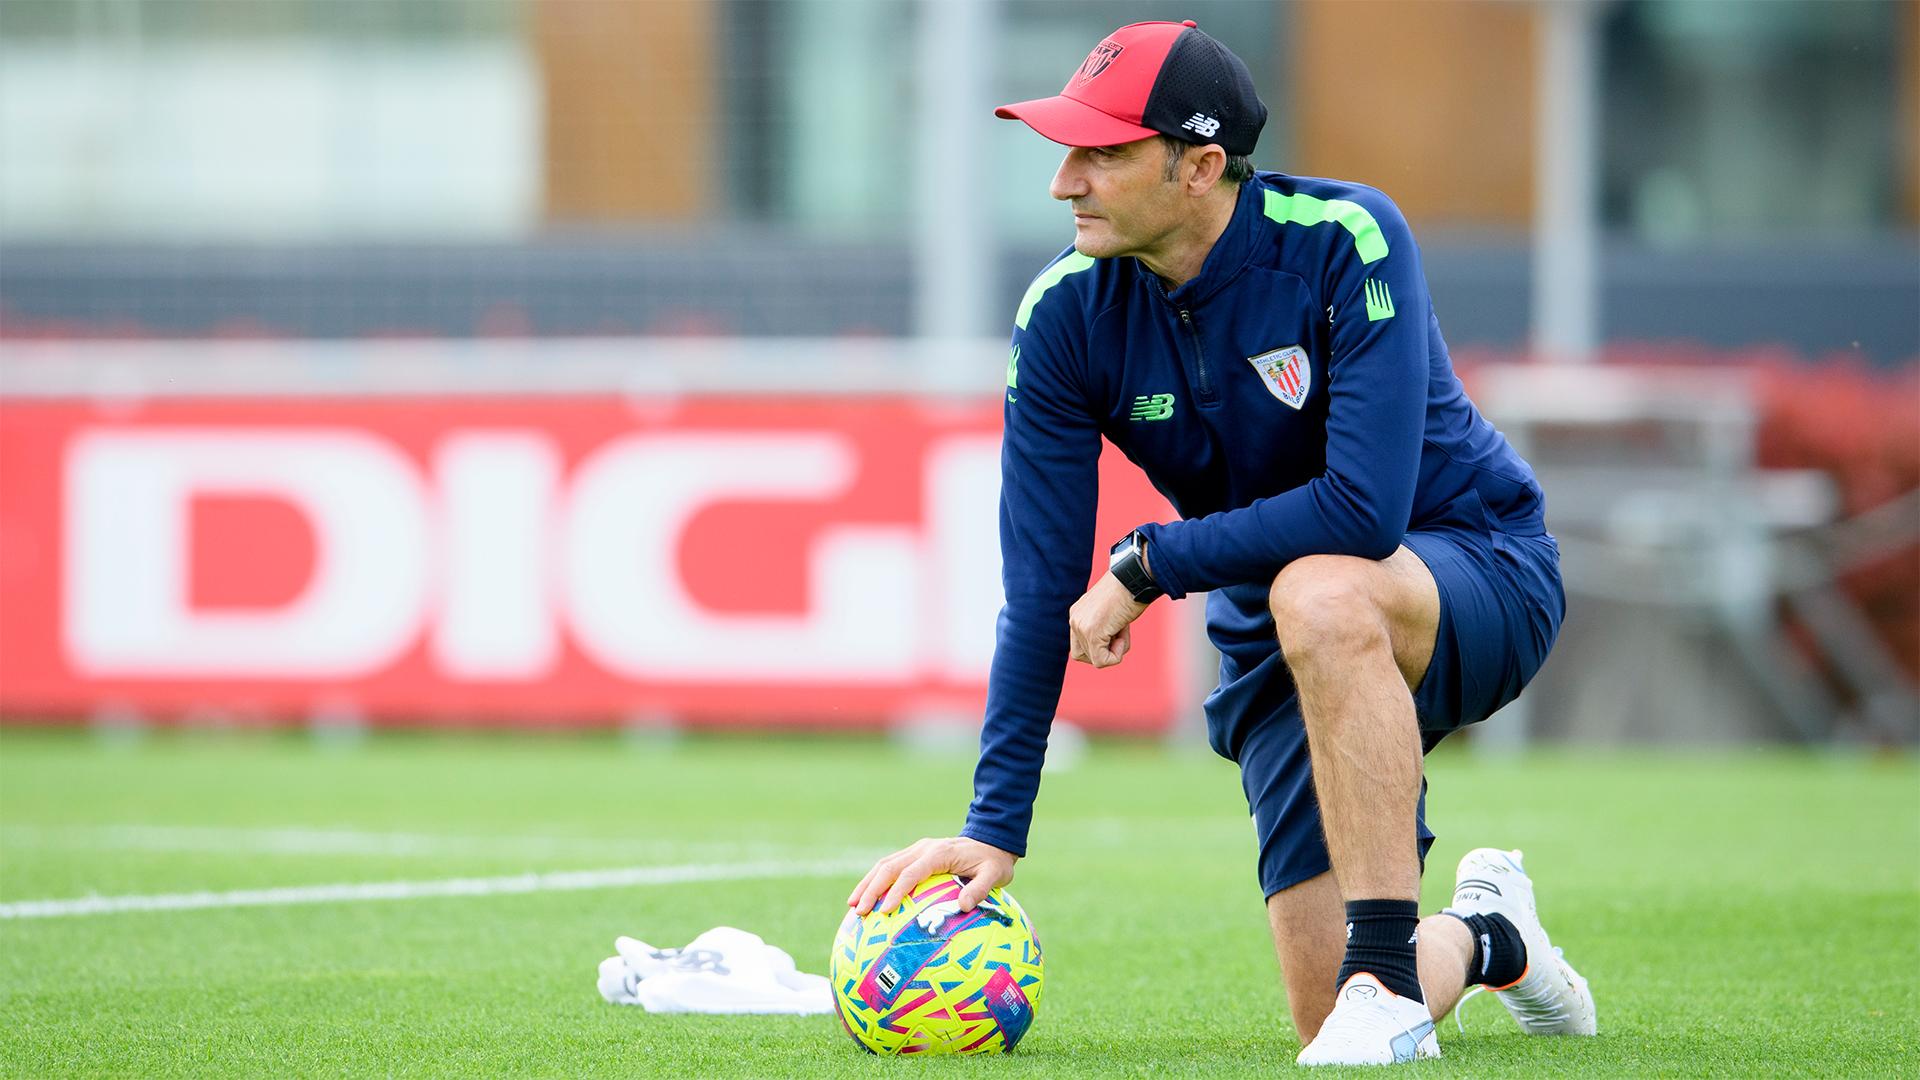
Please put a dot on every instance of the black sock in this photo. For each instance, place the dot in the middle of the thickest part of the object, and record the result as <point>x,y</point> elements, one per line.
<point>1499,953</point>
<point>1381,935</point>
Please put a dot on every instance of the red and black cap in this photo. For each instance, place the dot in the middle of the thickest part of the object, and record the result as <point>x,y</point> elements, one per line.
<point>1152,78</point>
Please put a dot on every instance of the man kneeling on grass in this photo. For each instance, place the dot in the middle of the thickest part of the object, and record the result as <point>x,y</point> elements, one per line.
<point>1376,555</point>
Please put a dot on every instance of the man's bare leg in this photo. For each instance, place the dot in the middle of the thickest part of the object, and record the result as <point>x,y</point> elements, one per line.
<point>1357,634</point>
<point>1446,953</point>
<point>1309,937</point>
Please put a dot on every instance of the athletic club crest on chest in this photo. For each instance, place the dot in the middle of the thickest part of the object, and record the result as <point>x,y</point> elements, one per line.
<point>1286,372</point>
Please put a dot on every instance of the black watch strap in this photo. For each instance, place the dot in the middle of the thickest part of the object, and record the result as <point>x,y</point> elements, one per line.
<point>1128,563</point>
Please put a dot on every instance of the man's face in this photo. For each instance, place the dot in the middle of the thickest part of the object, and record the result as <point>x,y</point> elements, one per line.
<point>1123,204</point>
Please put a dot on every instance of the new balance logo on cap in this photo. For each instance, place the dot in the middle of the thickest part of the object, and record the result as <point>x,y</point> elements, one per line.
<point>1204,126</point>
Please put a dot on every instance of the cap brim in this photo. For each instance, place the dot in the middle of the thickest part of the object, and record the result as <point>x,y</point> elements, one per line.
<point>1072,123</point>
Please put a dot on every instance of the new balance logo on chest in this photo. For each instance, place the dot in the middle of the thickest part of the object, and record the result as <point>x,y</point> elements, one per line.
<point>1152,407</point>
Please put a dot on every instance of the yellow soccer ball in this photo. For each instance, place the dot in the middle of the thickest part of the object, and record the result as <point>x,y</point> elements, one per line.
<point>926,979</point>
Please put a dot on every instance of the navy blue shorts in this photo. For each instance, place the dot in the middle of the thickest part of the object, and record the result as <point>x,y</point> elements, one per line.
<point>1501,603</point>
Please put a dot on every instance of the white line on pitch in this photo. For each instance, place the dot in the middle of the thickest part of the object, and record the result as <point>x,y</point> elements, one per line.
<point>297,840</point>
<point>353,892</point>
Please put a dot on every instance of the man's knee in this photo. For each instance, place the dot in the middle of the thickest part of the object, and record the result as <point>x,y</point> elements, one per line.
<point>1323,607</point>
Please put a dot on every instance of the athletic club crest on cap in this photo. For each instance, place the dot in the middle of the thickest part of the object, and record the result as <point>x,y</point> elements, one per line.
<point>1286,372</point>
<point>1096,62</point>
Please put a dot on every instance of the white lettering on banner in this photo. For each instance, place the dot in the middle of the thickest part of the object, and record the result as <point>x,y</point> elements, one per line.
<point>963,533</point>
<point>486,556</point>
<point>126,558</point>
<point>632,498</point>
<point>498,491</point>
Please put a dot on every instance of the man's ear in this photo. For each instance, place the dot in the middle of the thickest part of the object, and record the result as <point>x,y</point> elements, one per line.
<point>1209,165</point>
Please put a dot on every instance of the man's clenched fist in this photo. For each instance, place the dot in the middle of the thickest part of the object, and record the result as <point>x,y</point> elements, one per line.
<point>1099,622</point>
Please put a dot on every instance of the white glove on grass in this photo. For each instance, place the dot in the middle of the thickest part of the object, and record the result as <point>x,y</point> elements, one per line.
<point>722,971</point>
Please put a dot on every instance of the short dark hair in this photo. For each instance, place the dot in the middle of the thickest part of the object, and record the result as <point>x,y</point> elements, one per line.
<point>1239,168</point>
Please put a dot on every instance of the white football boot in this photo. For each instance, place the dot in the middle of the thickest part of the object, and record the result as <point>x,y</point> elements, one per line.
<point>1549,998</point>
<point>1372,1025</point>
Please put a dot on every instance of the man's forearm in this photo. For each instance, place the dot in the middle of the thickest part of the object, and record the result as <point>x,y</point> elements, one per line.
<point>1254,542</point>
<point>1023,689</point>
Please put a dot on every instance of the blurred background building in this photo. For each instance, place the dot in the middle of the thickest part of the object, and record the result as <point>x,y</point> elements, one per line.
<point>342,168</point>
<point>1672,242</point>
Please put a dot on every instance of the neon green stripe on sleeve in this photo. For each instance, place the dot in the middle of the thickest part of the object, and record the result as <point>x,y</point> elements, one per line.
<point>1298,209</point>
<point>1072,264</point>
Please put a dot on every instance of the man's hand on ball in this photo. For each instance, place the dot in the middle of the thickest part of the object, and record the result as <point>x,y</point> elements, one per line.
<point>1099,622</point>
<point>984,867</point>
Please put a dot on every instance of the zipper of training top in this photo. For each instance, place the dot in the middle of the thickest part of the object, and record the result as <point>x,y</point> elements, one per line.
<point>1200,355</point>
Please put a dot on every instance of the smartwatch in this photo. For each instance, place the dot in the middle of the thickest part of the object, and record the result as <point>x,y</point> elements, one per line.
<point>1128,562</point>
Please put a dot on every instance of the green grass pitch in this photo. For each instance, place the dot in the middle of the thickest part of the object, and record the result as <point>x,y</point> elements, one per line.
<point>1740,914</point>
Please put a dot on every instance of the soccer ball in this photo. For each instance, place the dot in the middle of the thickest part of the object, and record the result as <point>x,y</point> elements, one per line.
<point>926,979</point>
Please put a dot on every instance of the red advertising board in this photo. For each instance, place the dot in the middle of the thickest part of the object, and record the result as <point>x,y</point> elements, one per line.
<point>822,560</point>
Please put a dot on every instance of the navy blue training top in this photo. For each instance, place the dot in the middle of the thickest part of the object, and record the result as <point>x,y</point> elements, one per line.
<point>1294,398</point>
